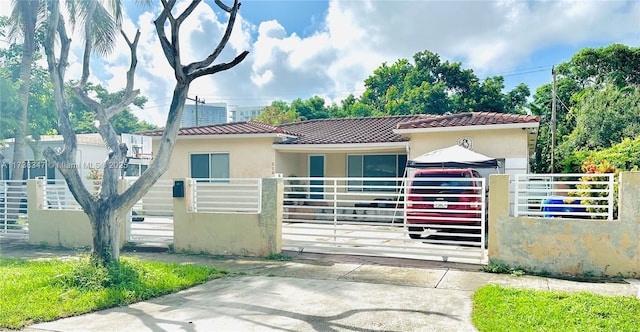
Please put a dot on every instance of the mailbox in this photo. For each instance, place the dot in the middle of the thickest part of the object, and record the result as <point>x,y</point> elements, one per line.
<point>178,188</point>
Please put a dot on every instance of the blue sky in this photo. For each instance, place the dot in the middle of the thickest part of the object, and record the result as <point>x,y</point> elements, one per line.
<point>299,49</point>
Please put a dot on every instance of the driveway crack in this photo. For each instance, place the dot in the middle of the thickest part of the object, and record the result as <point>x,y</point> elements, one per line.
<point>348,273</point>
<point>442,277</point>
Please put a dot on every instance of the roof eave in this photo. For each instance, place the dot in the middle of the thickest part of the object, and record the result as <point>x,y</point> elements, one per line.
<point>524,125</point>
<point>341,147</point>
<point>225,136</point>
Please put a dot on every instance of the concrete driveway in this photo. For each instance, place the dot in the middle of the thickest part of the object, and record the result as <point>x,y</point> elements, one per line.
<point>257,303</point>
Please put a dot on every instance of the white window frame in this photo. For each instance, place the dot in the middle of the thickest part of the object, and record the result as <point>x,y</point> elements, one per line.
<point>209,154</point>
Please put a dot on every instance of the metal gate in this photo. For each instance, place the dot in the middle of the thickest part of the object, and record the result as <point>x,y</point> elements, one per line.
<point>444,219</point>
<point>13,209</point>
<point>151,218</point>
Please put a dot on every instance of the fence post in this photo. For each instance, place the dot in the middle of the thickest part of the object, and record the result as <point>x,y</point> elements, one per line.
<point>516,196</point>
<point>629,196</point>
<point>181,207</point>
<point>498,207</point>
<point>270,217</point>
<point>610,195</point>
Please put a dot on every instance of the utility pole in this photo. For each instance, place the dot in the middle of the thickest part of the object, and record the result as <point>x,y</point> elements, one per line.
<point>553,118</point>
<point>198,101</point>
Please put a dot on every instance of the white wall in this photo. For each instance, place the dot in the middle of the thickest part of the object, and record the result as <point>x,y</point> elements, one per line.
<point>87,157</point>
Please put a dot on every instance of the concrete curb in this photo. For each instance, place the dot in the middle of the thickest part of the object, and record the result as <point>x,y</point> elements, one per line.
<point>635,282</point>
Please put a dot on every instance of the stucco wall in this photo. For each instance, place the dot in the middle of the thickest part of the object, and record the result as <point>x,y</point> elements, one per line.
<point>247,234</point>
<point>290,164</point>
<point>496,143</point>
<point>248,157</point>
<point>63,228</point>
<point>567,246</point>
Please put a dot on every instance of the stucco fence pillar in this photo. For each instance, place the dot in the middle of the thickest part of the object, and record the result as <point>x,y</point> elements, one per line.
<point>60,227</point>
<point>564,246</point>
<point>225,233</point>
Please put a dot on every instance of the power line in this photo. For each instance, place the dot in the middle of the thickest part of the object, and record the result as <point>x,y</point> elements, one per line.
<point>520,72</point>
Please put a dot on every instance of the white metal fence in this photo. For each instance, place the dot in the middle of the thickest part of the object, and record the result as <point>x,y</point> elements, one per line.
<point>57,196</point>
<point>236,195</point>
<point>151,218</point>
<point>445,218</point>
<point>13,208</point>
<point>587,196</point>
<point>158,201</point>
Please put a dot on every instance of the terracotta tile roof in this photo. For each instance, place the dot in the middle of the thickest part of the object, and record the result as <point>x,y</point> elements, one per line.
<point>347,130</point>
<point>234,128</point>
<point>353,130</point>
<point>88,139</point>
<point>468,119</point>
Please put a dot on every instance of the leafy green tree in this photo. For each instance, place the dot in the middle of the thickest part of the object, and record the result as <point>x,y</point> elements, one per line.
<point>83,119</point>
<point>312,108</point>
<point>41,117</point>
<point>9,104</point>
<point>603,118</point>
<point>615,64</point>
<point>589,71</point>
<point>277,113</point>
<point>432,86</point>
<point>541,105</point>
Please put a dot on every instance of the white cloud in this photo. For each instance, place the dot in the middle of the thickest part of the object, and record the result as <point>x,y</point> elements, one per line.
<point>355,37</point>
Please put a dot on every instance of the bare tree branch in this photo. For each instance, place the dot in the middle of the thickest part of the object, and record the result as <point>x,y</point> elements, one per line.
<point>130,94</point>
<point>65,159</point>
<point>161,159</point>
<point>188,11</point>
<point>162,36</point>
<point>223,6</point>
<point>221,66</point>
<point>84,98</point>
<point>223,41</point>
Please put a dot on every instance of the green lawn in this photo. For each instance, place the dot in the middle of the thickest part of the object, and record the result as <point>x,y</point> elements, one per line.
<point>45,290</point>
<point>505,309</point>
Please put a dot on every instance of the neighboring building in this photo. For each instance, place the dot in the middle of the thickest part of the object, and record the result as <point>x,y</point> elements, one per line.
<point>91,154</point>
<point>244,113</point>
<point>346,147</point>
<point>203,114</point>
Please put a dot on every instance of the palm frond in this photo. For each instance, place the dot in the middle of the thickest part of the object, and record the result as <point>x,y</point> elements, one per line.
<point>104,31</point>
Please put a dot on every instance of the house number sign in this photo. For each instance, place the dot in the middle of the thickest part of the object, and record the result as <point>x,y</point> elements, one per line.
<point>466,142</point>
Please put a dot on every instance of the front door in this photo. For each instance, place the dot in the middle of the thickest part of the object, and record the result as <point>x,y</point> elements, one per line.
<point>316,170</point>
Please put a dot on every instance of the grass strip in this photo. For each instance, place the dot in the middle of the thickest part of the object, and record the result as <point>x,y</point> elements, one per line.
<point>34,291</point>
<point>497,309</point>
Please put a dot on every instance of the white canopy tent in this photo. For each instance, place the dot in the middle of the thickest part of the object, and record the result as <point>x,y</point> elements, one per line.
<point>452,157</point>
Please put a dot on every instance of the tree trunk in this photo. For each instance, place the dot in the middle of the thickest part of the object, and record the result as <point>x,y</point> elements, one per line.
<point>28,11</point>
<point>106,222</point>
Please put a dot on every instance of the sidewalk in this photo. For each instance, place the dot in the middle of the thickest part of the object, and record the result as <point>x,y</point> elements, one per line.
<point>312,292</point>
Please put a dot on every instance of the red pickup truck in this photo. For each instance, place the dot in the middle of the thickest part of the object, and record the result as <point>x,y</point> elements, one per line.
<point>438,198</point>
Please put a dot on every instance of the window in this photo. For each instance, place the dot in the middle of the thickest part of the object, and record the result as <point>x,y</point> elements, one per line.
<point>375,166</point>
<point>33,169</point>
<point>4,171</point>
<point>134,170</point>
<point>210,165</point>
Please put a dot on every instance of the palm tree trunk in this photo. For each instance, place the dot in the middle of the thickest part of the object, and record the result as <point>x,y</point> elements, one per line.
<point>28,10</point>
